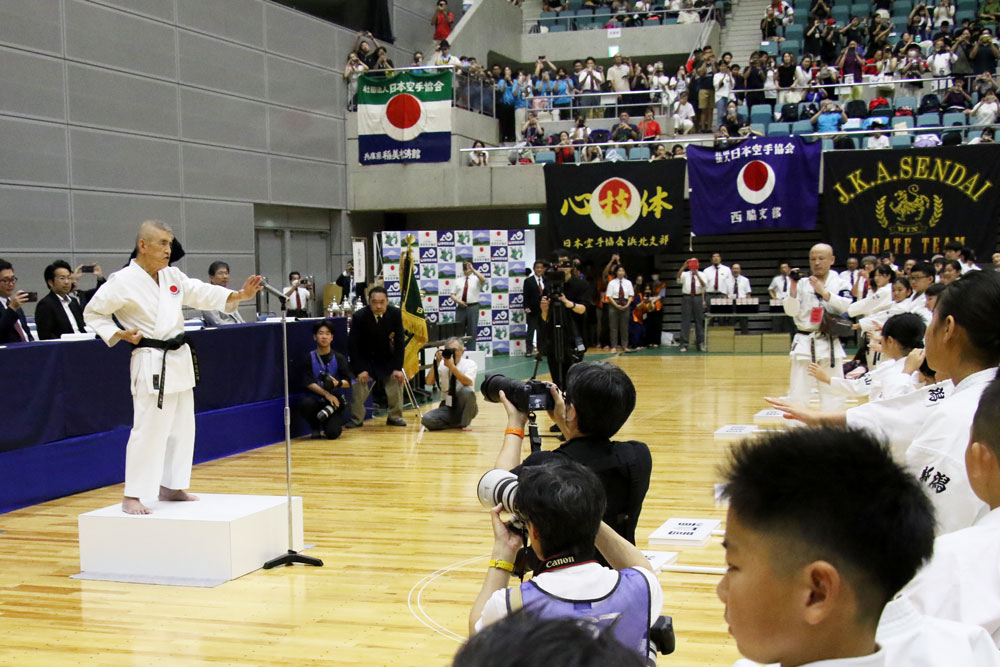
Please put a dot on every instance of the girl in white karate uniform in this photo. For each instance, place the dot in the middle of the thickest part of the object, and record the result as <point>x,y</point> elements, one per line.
<point>878,299</point>
<point>901,303</point>
<point>901,335</point>
<point>963,343</point>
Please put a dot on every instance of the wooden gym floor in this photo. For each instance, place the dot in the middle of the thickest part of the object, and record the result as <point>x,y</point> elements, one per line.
<point>393,514</point>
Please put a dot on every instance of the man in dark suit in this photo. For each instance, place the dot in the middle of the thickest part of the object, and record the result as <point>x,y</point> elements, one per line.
<point>57,314</point>
<point>350,287</point>
<point>376,344</point>
<point>534,286</point>
<point>13,323</point>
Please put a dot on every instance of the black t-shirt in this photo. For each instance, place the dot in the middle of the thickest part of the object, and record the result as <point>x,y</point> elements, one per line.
<point>624,469</point>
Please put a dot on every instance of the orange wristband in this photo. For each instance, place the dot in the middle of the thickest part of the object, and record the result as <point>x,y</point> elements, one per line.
<point>514,431</point>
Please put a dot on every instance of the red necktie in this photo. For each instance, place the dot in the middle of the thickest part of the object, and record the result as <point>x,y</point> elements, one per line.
<point>298,299</point>
<point>19,330</point>
<point>785,288</point>
<point>621,292</point>
<point>716,279</point>
<point>865,293</point>
<point>465,291</point>
<point>692,284</point>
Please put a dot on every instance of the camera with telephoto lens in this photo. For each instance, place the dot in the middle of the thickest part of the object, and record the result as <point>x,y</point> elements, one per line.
<point>526,396</point>
<point>498,487</point>
<point>447,353</point>
<point>326,413</point>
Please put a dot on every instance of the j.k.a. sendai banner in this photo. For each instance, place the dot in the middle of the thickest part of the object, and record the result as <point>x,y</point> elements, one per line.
<point>404,117</point>
<point>911,201</point>
<point>762,183</point>
<point>627,207</point>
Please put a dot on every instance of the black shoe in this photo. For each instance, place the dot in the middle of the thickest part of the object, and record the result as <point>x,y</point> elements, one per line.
<point>352,425</point>
<point>554,428</point>
<point>395,421</point>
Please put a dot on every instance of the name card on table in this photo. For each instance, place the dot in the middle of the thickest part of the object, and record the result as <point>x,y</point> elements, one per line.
<point>736,432</point>
<point>684,532</point>
<point>657,559</point>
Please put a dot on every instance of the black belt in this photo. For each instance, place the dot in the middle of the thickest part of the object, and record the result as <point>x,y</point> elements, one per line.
<point>812,346</point>
<point>169,345</point>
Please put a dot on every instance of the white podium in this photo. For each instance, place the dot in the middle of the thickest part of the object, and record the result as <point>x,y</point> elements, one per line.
<point>204,543</point>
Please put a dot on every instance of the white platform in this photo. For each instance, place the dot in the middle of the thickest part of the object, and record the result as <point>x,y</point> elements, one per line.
<point>203,543</point>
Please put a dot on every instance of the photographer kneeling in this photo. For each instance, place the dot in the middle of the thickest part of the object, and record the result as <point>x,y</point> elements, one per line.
<point>598,401</point>
<point>327,374</point>
<point>457,374</point>
<point>560,505</point>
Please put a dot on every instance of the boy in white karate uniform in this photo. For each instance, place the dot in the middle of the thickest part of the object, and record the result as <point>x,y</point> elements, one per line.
<point>146,296</point>
<point>823,529</point>
<point>962,581</point>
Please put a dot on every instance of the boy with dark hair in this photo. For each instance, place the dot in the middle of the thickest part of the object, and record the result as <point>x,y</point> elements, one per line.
<point>823,529</point>
<point>962,581</point>
<point>560,504</point>
<point>522,639</point>
<point>598,401</point>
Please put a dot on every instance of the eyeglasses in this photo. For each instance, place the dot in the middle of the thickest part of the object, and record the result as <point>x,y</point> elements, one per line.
<point>10,281</point>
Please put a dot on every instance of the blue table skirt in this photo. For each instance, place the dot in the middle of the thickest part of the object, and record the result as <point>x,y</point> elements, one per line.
<point>68,410</point>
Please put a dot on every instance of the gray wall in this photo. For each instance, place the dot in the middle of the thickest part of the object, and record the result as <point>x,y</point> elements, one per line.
<point>192,111</point>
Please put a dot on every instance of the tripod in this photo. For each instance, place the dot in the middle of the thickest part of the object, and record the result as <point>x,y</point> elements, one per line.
<point>292,556</point>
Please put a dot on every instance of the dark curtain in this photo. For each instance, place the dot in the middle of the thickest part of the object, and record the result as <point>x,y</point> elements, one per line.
<point>367,16</point>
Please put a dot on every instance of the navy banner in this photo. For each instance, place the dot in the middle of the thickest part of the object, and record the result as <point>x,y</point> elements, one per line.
<point>763,183</point>
<point>912,201</point>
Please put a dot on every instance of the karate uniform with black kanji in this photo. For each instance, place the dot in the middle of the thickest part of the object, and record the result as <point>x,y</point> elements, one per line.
<point>937,455</point>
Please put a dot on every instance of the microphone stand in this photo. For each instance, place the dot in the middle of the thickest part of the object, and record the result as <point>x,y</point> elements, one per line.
<point>292,556</point>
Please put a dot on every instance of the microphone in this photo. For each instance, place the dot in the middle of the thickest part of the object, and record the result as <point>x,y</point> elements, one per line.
<point>271,289</point>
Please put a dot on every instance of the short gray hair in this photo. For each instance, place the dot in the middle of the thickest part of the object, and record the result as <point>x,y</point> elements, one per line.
<point>147,227</point>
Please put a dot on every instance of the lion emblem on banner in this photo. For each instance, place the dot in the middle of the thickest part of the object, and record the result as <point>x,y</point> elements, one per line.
<point>913,212</point>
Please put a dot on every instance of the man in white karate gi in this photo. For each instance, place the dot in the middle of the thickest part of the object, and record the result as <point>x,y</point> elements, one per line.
<point>805,303</point>
<point>146,297</point>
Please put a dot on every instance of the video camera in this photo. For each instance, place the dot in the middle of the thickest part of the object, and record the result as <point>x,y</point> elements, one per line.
<point>555,281</point>
<point>526,396</point>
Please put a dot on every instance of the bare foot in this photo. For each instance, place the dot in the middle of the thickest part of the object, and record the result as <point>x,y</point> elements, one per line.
<point>175,494</point>
<point>133,506</point>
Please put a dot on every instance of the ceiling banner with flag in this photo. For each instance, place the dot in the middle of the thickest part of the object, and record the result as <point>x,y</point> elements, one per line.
<point>763,183</point>
<point>405,117</point>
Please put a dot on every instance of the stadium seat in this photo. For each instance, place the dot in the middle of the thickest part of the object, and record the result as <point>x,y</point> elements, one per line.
<point>953,118</point>
<point>928,120</point>
<point>902,8</point>
<point>575,4</point>
<point>770,48</point>
<point>966,5</point>
<point>639,153</point>
<point>794,31</point>
<point>792,46</point>
<point>861,10</point>
<point>779,129</point>
<point>900,140</point>
<point>742,110</point>
<point>759,127</point>
<point>760,113</point>
<point>828,144</point>
<point>558,28</point>
<point>906,102</point>
<point>961,15</point>
<point>975,134</point>
<point>802,127</point>
<point>841,13</point>
<point>905,120</point>
<point>541,157</point>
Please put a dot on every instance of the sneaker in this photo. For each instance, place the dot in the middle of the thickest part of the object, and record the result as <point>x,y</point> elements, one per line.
<point>683,348</point>
<point>703,347</point>
<point>352,425</point>
<point>395,421</point>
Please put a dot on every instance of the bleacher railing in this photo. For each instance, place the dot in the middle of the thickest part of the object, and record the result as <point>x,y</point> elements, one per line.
<point>585,19</point>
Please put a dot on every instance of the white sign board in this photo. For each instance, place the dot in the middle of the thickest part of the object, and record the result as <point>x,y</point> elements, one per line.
<point>736,432</point>
<point>657,559</point>
<point>358,248</point>
<point>684,532</point>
